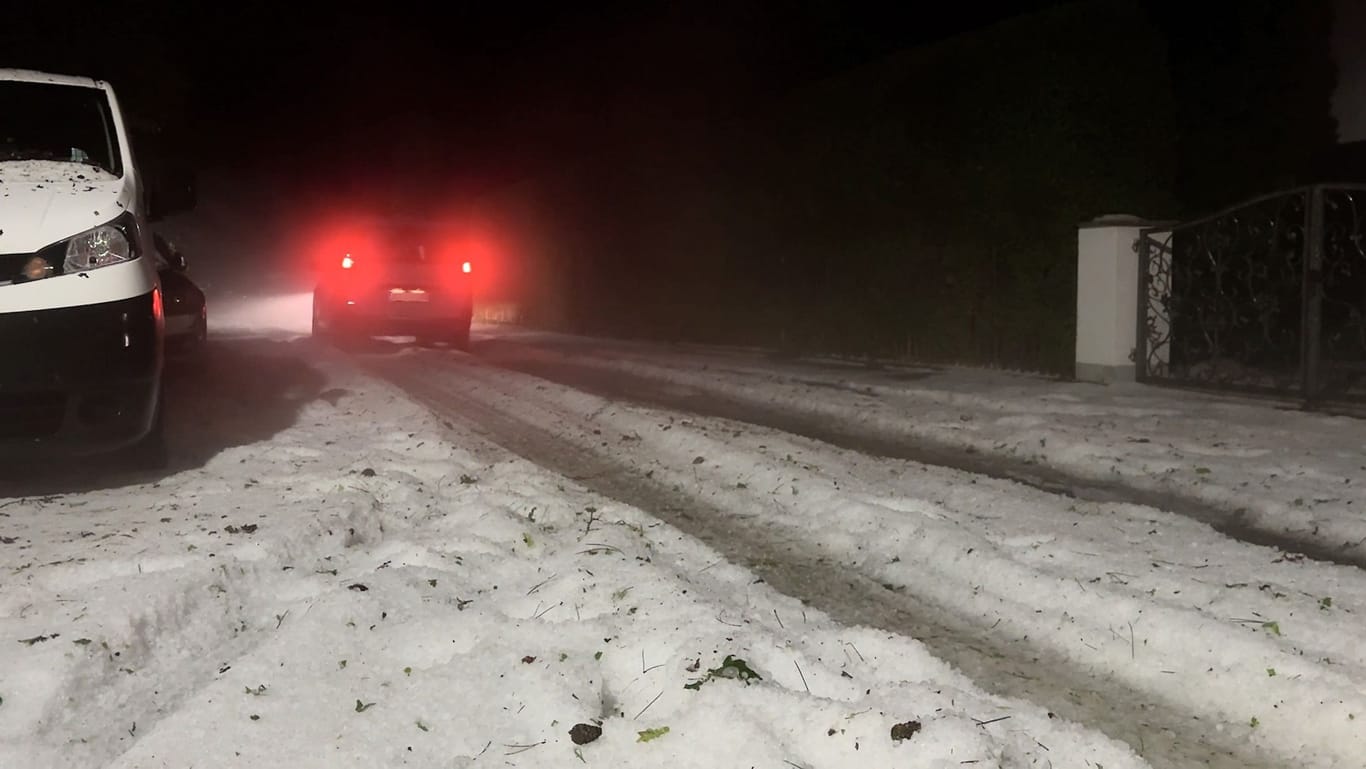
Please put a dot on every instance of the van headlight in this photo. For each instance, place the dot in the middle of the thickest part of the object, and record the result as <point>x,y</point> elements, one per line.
<point>100,247</point>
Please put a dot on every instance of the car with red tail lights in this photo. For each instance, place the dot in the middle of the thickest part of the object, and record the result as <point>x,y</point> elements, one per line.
<point>395,277</point>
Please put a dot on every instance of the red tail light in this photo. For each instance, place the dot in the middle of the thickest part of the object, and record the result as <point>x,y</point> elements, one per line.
<point>466,268</point>
<point>348,262</point>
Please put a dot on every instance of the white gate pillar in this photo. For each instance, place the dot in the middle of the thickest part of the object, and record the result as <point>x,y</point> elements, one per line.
<point>1107,298</point>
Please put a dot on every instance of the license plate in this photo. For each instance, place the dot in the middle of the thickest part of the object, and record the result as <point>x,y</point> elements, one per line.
<point>413,295</point>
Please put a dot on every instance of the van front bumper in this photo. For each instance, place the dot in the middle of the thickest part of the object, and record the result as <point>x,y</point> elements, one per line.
<point>79,380</point>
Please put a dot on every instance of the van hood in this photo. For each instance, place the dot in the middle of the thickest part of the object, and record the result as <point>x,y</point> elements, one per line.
<point>44,201</point>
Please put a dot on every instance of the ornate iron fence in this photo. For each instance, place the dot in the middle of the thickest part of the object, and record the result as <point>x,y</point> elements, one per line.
<point>1267,296</point>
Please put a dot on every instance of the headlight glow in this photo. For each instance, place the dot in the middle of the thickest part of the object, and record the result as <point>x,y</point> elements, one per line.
<point>100,247</point>
<point>36,268</point>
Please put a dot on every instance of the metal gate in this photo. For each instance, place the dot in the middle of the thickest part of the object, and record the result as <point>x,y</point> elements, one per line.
<point>1268,296</point>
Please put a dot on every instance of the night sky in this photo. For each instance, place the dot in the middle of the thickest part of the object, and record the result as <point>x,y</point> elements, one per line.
<point>490,90</point>
<point>483,93</point>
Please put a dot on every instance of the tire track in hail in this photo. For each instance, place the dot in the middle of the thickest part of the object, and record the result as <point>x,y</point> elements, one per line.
<point>649,391</point>
<point>525,423</point>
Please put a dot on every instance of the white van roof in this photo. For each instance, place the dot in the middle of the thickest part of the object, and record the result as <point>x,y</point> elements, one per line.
<point>34,76</point>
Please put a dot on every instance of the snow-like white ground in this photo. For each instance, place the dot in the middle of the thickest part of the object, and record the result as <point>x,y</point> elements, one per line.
<point>370,588</point>
<point>1277,469</point>
<point>1256,644</point>
<point>357,581</point>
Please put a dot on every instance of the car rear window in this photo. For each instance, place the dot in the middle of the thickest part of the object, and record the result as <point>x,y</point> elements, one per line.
<point>413,244</point>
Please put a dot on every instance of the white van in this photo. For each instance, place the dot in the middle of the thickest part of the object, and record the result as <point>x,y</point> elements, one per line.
<point>81,320</point>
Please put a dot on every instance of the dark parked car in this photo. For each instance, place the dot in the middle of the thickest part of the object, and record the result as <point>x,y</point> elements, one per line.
<point>395,277</point>
<point>187,319</point>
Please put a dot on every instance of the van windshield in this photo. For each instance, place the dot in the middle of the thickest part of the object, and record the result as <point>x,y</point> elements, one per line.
<point>48,121</point>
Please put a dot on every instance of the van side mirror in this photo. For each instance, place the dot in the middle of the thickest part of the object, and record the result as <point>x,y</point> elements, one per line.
<point>169,253</point>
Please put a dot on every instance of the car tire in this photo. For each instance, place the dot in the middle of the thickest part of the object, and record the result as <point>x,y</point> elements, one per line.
<point>317,328</point>
<point>331,332</point>
<point>460,338</point>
